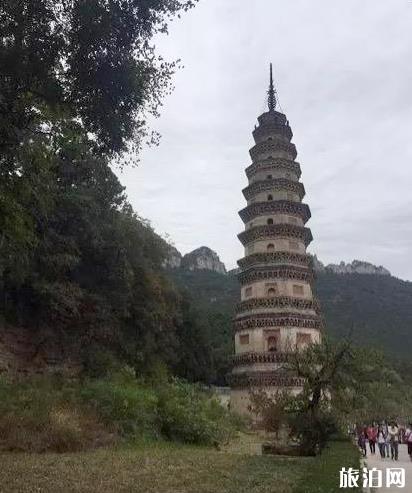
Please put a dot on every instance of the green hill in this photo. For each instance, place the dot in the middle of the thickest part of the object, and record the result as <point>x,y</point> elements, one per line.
<point>378,307</point>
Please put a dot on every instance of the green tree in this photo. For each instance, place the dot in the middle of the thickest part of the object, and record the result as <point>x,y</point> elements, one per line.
<point>78,81</point>
<point>91,61</point>
<point>342,385</point>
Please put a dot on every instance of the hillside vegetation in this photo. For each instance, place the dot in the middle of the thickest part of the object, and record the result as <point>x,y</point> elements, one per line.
<point>378,307</point>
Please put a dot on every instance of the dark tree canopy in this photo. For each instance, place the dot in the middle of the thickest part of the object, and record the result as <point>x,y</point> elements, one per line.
<point>88,60</point>
<point>78,78</point>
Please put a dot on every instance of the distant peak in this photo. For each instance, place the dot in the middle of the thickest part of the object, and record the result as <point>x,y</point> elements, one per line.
<point>355,267</point>
<point>203,258</point>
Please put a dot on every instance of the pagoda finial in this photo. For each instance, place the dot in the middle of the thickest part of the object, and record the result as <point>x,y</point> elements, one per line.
<point>271,93</point>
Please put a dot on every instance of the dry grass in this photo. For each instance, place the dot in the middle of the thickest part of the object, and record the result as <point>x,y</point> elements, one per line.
<point>161,468</point>
<point>63,429</point>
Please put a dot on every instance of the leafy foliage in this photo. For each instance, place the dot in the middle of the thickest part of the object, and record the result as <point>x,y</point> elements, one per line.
<point>212,297</point>
<point>55,414</point>
<point>78,80</point>
<point>340,388</point>
<point>92,62</point>
<point>191,416</point>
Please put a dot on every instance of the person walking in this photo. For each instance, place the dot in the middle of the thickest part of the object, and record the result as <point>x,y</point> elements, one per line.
<point>387,438</point>
<point>393,432</point>
<point>381,437</point>
<point>408,438</point>
<point>371,433</point>
<point>362,442</point>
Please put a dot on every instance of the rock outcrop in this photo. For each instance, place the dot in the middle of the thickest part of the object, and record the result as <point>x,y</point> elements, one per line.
<point>355,267</point>
<point>203,258</point>
<point>173,259</point>
<point>318,266</point>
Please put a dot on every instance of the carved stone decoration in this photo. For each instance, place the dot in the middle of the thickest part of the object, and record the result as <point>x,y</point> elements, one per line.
<point>257,320</point>
<point>273,164</point>
<point>269,185</point>
<point>257,209</point>
<point>268,272</point>
<point>270,258</point>
<point>273,145</point>
<point>263,132</point>
<point>264,379</point>
<point>277,302</point>
<point>253,358</point>
<point>276,230</point>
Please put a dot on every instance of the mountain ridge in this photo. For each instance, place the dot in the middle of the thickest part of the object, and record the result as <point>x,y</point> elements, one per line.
<point>204,258</point>
<point>377,309</point>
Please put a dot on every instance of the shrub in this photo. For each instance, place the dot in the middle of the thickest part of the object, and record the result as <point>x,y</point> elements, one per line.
<point>190,415</point>
<point>312,429</point>
<point>131,408</point>
<point>53,414</point>
<point>40,415</point>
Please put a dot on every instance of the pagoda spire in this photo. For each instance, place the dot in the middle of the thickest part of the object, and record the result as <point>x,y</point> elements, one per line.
<point>271,93</point>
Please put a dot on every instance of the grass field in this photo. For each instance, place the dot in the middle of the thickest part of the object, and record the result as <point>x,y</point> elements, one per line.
<point>168,468</point>
<point>322,475</point>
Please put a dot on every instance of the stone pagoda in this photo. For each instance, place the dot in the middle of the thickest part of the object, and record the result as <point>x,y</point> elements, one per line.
<point>277,312</point>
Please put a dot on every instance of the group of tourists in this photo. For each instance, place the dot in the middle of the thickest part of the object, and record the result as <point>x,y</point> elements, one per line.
<point>387,436</point>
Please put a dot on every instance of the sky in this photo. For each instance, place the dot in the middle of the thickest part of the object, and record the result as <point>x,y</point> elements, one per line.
<point>343,73</point>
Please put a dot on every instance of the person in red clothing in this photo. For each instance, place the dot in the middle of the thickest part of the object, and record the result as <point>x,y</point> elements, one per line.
<point>372,433</point>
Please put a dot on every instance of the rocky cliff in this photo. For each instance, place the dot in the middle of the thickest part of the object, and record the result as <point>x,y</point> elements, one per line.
<point>203,258</point>
<point>355,267</point>
<point>173,259</point>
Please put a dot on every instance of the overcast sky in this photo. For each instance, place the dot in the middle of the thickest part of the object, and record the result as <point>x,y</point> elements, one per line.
<point>343,72</point>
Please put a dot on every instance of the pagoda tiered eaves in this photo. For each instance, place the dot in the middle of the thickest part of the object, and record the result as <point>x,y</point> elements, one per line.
<point>263,132</point>
<point>277,302</point>
<point>271,163</point>
<point>274,184</point>
<point>275,207</point>
<point>276,230</point>
<point>263,357</point>
<point>272,146</point>
<point>264,379</point>
<point>273,272</point>
<point>280,319</point>
<point>270,258</point>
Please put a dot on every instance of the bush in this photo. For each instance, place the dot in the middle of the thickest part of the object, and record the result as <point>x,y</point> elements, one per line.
<point>41,415</point>
<point>57,415</point>
<point>192,416</point>
<point>312,429</point>
<point>131,408</point>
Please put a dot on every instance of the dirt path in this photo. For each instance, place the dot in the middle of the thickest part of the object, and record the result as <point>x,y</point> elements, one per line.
<point>382,464</point>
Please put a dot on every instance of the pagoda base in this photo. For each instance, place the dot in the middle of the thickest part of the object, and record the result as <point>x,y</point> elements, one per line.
<point>273,383</point>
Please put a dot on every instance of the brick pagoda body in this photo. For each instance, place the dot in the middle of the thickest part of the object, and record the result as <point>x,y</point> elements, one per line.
<point>277,312</point>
